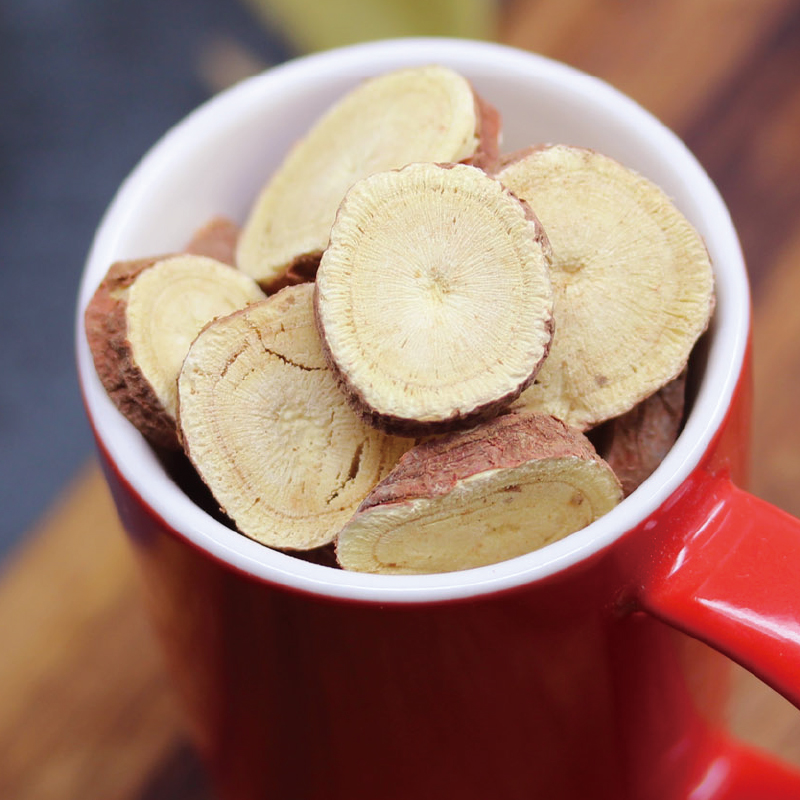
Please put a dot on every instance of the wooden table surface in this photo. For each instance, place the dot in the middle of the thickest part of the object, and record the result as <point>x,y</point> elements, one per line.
<point>86,711</point>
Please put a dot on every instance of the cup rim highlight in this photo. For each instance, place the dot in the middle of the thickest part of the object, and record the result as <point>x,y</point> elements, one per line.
<point>208,123</point>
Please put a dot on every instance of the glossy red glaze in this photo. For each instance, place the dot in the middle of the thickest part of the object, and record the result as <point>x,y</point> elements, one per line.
<point>567,688</point>
<point>734,583</point>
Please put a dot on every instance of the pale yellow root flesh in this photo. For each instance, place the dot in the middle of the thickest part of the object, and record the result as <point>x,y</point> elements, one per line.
<point>422,114</point>
<point>169,304</point>
<point>488,518</point>
<point>632,280</point>
<point>434,295</point>
<point>269,432</point>
<point>496,491</point>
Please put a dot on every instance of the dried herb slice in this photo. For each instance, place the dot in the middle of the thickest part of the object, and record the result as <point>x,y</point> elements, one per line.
<point>632,279</point>
<point>266,427</point>
<point>434,298</point>
<point>477,497</point>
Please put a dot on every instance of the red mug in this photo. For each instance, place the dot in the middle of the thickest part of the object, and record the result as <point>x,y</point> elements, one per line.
<point>580,670</point>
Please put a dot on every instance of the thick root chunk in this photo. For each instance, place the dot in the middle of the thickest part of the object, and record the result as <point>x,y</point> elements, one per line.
<point>434,298</point>
<point>139,326</point>
<point>632,279</point>
<point>268,430</point>
<point>421,114</point>
<point>217,239</point>
<point>478,497</point>
<point>636,442</point>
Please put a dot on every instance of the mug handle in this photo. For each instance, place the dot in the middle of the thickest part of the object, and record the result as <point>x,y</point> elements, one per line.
<point>734,583</point>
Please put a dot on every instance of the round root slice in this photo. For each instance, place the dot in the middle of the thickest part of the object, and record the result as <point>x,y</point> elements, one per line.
<point>139,326</point>
<point>269,432</point>
<point>632,280</point>
<point>422,114</point>
<point>434,297</point>
<point>636,442</point>
<point>500,490</point>
<point>106,335</point>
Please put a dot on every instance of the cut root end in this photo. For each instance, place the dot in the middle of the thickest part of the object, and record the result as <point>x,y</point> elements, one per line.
<point>479,497</point>
<point>434,298</point>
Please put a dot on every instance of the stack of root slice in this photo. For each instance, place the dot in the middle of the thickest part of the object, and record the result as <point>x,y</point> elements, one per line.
<point>414,115</point>
<point>140,323</point>
<point>511,315</point>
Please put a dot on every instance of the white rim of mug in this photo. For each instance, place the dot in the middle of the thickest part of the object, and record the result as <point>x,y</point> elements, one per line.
<point>139,466</point>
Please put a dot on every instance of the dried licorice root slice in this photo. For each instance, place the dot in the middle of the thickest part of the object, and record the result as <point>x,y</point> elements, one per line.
<point>477,497</point>
<point>266,427</point>
<point>434,298</point>
<point>421,114</point>
<point>632,279</point>
<point>140,323</point>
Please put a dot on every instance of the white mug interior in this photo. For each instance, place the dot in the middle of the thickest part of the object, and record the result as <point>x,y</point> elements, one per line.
<point>216,160</point>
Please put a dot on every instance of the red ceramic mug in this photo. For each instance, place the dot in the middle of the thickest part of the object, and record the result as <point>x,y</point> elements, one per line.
<point>576,671</point>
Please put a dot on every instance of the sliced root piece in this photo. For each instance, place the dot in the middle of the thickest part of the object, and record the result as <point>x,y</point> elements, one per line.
<point>217,239</point>
<point>267,428</point>
<point>106,334</point>
<point>502,489</point>
<point>422,114</point>
<point>635,443</point>
<point>434,297</point>
<point>139,326</point>
<point>632,279</point>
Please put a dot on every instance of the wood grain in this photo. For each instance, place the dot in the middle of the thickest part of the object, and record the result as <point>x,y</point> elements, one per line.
<point>747,139</point>
<point>85,708</point>
<point>776,367</point>
<point>672,56</point>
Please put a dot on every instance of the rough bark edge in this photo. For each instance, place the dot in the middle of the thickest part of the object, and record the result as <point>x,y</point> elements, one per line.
<point>487,129</point>
<point>636,442</point>
<point>106,334</point>
<point>404,426</point>
<point>302,269</point>
<point>219,238</point>
<point>435,467</point>
<point>216,239</point>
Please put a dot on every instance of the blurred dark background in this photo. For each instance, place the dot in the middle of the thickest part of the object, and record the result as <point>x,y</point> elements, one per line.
<point>87,87</point>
